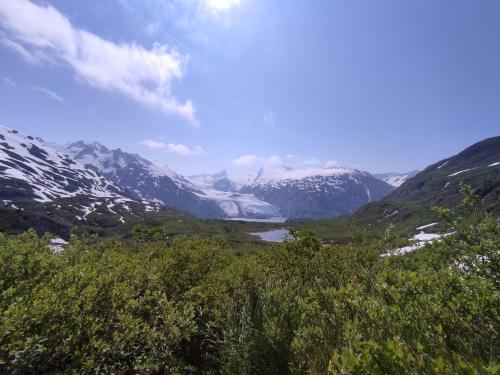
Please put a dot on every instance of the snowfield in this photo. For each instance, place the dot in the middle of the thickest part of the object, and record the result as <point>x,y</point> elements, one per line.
<point>420,240</point>
<point>240,205</point>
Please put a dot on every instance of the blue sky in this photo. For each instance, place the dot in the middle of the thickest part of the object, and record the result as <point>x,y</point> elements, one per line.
<point>202,85</point>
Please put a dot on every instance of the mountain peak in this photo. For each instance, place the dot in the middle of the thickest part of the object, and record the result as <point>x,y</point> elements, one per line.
<point>274,173</point>
<point>48,173</point>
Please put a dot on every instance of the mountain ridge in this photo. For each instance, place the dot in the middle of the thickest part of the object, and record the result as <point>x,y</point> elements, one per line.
<point>225,195</point>
<point>307,192</point>
<point>51,190</point>
<point>154,181</point>
<point>410,205</point>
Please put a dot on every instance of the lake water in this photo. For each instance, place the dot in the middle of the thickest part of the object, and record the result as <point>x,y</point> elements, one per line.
<point>273,235</point>
<point>270,220</point>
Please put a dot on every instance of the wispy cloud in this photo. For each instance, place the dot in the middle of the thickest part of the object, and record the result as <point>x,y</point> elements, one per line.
<point>274,159</point>
<point>42,34</point>
<point>251,160</point>
<point>332,164</point>
<point>298,161</point>
<point>174,148</point>
<point>30,57</point>
<point>245,160</point>
<point>7,81</point>
<point>49,93</point>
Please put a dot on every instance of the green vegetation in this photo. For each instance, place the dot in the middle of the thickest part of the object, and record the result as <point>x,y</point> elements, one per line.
<point>405,213</point>
<point>370,222</point>
<point>188,304</point>
<point>410,205</point>
<point>62,222</point>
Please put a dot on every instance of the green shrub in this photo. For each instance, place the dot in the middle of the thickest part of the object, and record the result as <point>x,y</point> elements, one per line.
<point>189,305</point>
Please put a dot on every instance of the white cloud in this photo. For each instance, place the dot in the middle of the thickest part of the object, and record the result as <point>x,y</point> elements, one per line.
<point>198,150</point>
<point>332,164</point>
<point>312,161</point>
<point>178,149</point>
<point>173,148</point>
<point>246,160</point>
<point>49,93</point>
<point>27,55</point>
<point>274,159</point>
<point>269,118</point>
<point>250,160</point>
<point>150,143</point>
<point>8,82</point>
<point>42,34</point>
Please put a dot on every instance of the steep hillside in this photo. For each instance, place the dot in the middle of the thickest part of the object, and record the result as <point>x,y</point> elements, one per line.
<point>409,206</point>
<point>51,191</point>
<point>438,184</point>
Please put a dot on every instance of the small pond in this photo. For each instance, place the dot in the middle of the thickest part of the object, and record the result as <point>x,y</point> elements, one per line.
<point>268,220</point>
<point>274,235</point>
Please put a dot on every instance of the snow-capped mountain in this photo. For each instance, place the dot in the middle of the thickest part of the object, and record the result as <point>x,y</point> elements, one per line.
<point>94,171</point>
<point>304,193</point>
<point>316,192</point>
<point>36,178</point>
<point>49,174</point>
<point>153,181</point>
<point>394,178</point>
<point>223,181</point>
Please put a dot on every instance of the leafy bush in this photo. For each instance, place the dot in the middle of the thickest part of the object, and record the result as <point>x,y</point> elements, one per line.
<point>190,305</point>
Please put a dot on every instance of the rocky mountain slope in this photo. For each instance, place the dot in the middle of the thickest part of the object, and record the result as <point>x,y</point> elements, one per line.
<point>316,192</point>
<point>45,173</point>
<point>438,184</point>
<point>147,180</point>
<point>304,193</point>
<point>41,182</point>
<point>409,206</point>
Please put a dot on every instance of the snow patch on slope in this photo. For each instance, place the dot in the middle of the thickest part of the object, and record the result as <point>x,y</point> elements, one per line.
<point>50,174</point>
<point>394,178</point>
<point>420,240</point>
